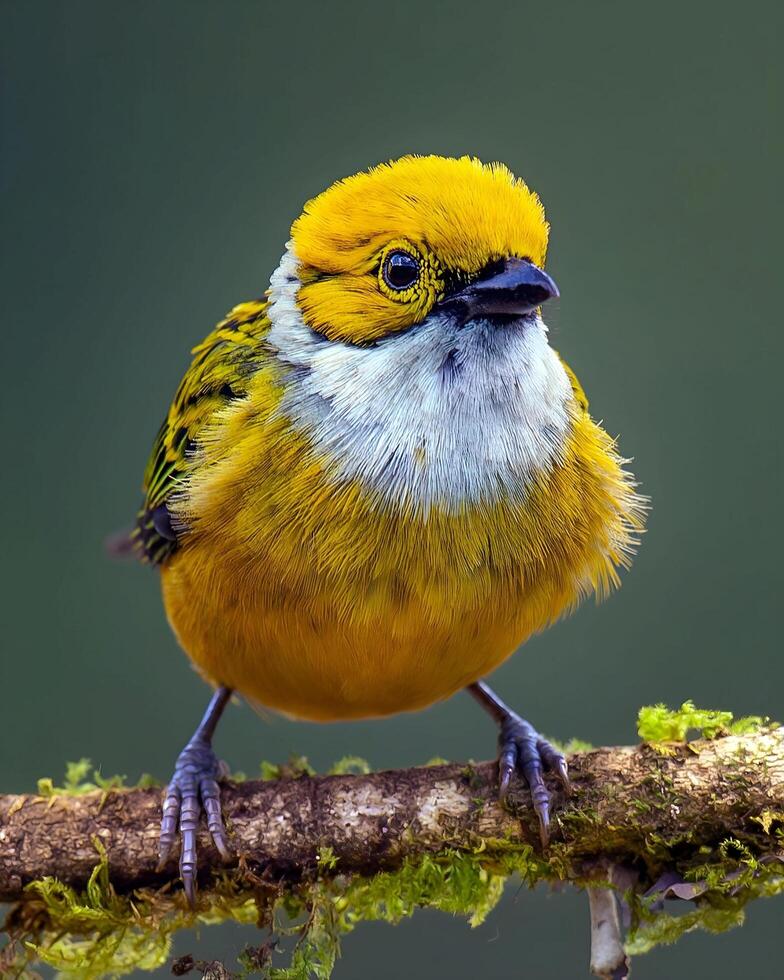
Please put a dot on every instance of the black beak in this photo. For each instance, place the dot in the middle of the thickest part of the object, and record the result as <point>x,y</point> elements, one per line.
<point>517,289</point>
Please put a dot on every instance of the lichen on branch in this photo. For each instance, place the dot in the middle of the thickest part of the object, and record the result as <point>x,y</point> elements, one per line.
<point>700,821</point>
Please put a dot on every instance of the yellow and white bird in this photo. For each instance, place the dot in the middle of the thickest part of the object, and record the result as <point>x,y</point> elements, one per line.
<point>379,480</point>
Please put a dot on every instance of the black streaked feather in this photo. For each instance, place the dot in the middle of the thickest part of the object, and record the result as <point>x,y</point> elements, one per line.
<point>218,374</point>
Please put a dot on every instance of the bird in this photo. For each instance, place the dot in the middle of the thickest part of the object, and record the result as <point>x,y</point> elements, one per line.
<point>378,480</point>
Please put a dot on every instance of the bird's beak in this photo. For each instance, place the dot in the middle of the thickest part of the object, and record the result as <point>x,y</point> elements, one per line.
<point>519,288</point>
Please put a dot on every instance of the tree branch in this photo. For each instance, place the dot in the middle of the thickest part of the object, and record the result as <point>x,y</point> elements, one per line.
<point>649,808</point>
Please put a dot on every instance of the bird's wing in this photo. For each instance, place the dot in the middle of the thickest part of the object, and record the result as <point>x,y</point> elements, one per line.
<point>219,372</point>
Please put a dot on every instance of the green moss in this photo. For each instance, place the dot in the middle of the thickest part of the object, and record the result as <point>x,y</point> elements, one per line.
<point>657,723</point>
<point>326,859</point>
<point>453,882</point>
<point>92,934</point>
<point>577,745</point>
<point>97,933</point>
<point>350,765</point>
<point>665,929</point>
<point>297,767</point>
<point>722,889</point>
<point>269,770</point>
<point>77,783</point>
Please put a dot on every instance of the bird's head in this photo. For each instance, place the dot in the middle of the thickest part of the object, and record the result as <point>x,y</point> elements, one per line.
<point>379,252</point>
<point>406,314</point>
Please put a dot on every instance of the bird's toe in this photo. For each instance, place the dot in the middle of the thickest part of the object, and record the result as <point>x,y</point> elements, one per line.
<point>194,789</point>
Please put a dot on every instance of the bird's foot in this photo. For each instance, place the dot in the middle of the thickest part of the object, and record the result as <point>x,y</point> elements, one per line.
<point>521,748</point>
<point>193,790</point>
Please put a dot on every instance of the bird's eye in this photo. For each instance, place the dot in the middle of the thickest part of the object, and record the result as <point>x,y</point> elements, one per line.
<point>400,270</point>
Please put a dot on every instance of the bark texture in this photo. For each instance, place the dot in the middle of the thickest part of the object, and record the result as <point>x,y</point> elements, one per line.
<point>642,807</point>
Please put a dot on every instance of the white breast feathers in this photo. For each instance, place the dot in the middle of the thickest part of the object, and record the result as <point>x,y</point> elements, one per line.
<point>437,415</point>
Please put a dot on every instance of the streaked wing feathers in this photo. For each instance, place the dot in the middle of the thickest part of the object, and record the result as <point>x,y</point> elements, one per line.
<point>218,373</point>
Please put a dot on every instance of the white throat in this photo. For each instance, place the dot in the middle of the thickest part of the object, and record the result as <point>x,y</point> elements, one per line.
<point>439,415</point>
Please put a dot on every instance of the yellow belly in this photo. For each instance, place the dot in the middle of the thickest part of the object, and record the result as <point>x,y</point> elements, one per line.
<point>313,599</point>
<point>306,661</point>
<point>312,654</point>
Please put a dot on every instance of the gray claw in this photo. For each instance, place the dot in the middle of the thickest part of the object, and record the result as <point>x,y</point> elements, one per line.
<point>563,772</point>
<point>544,826</point>
<point>189,887</point>
<point>193,789</point>
<point>523,749</point>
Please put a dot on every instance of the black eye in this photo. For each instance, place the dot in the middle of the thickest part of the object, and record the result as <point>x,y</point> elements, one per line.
<point>400,270</point>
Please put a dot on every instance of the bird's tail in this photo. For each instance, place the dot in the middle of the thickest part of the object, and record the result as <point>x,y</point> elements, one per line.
<point>121,544</point>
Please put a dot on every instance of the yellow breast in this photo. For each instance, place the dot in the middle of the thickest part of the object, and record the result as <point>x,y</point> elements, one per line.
<point>308,592</point>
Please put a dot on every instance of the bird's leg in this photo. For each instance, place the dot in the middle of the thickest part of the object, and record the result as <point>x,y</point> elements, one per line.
<point>194,789</point>
<point>521,747</point>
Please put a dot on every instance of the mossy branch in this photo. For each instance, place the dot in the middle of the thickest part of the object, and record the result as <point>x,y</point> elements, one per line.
<point>702,820</point>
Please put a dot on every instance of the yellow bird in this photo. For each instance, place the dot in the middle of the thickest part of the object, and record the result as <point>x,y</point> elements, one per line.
<point>379,480</point>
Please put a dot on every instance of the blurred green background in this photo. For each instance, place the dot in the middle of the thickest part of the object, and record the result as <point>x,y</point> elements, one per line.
<point>154,155</point>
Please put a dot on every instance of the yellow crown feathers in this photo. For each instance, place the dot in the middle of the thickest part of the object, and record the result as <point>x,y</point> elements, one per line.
<point>456,215</point>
